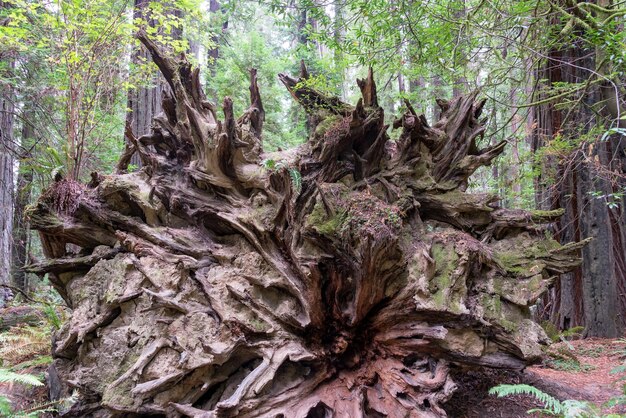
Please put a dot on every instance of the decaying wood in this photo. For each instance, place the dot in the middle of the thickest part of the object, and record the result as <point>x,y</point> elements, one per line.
<point>344,278</point>
<point>19,316</point>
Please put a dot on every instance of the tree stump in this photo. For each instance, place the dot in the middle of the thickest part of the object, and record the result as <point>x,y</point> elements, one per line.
<point>342,278</point>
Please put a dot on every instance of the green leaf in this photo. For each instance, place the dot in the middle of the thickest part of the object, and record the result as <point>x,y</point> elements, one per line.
<point>7,376</point>
<point>296,180</point>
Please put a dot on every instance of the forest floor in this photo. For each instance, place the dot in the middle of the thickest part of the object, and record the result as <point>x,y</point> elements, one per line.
<point>579,370</point>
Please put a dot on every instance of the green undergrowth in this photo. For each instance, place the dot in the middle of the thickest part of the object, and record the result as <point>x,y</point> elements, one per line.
<point>570,408</point>
<point>24,355</point>
<point>565,358</point>
<point>569,365</point>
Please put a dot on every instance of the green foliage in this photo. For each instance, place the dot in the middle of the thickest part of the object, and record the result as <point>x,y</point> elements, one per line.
<point>593,352</point>
<point>52,316</point>
<point>34,411</point>
<point>294,174</point>
<point>572,332</point>
<point>296,180</point>
<point>552,406</point>
<point>7,376</point>
<point>23,343</point>
<point>612,200</point>
<point>569,365</point>
<point>37,361</point>
<point>255,42</point>
<point>556,335</point>
<point>5,407</point>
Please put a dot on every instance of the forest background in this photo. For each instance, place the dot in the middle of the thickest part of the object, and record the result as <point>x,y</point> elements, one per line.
<point>74,81</point>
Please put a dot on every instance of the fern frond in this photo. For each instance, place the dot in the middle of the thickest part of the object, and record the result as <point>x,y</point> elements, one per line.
<point>578,409</point>
<point>49,406</point>
<point>19,344</point>
<point>618,369</point>
<point>37,361</point>
<point>551,404</point>
<point>8,338</point>
<point>7,376</point>
<point>296,180</point>
<point>269,164</point>
<point>573,332</point>
<point>5,406</point>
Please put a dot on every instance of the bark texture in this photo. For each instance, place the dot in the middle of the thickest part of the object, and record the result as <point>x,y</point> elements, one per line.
<point>21,226</point>
<point>583,183</point>
<point>19,316</point>
<point>342,278</point>
<point>7,100</point>
<point>144,102</point>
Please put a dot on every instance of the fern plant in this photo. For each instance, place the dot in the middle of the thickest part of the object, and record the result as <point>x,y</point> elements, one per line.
<point>21,344</point>
<point>570,408</point>
<point>33,411</point>
<point>8,376</point>
<point>294,174</point>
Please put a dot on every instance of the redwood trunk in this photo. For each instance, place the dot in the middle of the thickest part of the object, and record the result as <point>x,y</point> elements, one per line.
<point>7,100</point>
<point>583,183</point>
<point>144,101</point>
<point>21,228</point>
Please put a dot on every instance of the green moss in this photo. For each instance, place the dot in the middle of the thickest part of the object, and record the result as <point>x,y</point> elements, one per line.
<point>540,214</point>
<point>445,263</point>
<point>119,395</point>
<point>492,305</point>
<point>512,262</point>
<point>535,283</point>
<point>333,224</point>
<point>551,330</point>
<point>325,224</point>
<point>446,260</point>
<point>439,298</point>
<point>259,325</point>
<point>326,123</point>
<point>510,326</point>
<point>495,311</point>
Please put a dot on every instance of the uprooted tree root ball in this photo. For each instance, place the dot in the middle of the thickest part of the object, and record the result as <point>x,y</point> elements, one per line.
<point>341,278</point>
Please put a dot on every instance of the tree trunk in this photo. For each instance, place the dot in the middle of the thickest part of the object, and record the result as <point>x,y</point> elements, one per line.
<point>7,99</point>
<point>21,226</point>
<point>594,294</point>
<point>342,278</point>
<point>339,34</point>
<point>219,31</point>
<point>144,101</point>
<point>19,316</point>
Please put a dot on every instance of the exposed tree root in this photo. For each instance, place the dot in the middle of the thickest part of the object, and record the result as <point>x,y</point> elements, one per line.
<point>340,279</point>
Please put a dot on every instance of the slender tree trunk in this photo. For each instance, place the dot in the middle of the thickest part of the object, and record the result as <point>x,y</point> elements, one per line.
<point>339,34</point>
<point>7,99</point>
<point>437,89</point>
<point>513,171</point>
<point>460,85</point>
<point>401,84</point>
<point>21,227</point>
<point>219,31</point>
<point>143,101</point>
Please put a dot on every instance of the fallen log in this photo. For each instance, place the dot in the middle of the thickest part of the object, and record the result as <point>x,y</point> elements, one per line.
<point>15,316</point>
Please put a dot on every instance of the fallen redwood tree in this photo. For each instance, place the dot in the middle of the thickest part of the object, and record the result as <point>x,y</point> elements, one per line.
<point>342,278</point>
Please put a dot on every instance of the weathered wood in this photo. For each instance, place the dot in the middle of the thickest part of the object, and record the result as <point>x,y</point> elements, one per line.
<point>345,278</point>
<point>18,316</point>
